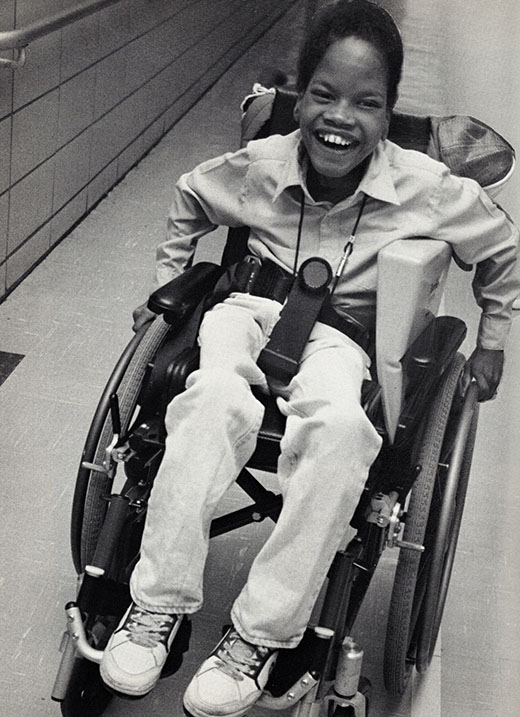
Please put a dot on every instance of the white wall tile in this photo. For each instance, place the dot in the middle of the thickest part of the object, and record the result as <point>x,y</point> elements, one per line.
<point>30,204</point>
<point>130,156</point>
<point>67,216</point>
<point>27,256</point>
<point>34,134</point>
<point>76,105</point>
<point>101,184</point>
<point>4,211</point>
<point>115,27</point>
<point>71,169</point>
<point>110,82</point>
<point>41,71</point>
<point>3,277</point>
<point>108,139</point>
<point>5,152</point>
<point>6,76</point>
<point>80,46</point>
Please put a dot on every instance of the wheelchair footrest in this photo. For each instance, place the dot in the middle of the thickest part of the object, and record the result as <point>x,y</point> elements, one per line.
<point>291,665</point>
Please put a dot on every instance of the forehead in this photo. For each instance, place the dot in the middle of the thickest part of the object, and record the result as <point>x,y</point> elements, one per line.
<point>352,60</point>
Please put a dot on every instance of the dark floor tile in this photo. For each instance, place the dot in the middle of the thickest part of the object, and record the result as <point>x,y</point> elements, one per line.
<point>8,363</point>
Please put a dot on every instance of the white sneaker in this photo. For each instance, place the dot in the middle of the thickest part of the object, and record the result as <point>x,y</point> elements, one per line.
<point>231,680</point>
<point>137,650</point>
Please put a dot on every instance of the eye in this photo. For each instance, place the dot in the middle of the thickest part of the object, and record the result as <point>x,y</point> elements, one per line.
<point>371,103</point>
<point>321,94</point>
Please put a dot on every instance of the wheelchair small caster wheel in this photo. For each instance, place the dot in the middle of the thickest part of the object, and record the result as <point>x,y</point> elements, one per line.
<point>360,703</point>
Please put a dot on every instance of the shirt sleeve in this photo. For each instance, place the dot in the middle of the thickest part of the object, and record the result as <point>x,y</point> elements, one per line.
<point>482,234</point>
<point>209,196</point>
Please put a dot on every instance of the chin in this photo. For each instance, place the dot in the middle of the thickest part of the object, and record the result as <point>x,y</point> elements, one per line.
<point>328,172</point>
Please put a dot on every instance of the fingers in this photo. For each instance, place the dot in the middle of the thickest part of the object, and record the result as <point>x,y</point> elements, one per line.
<point>141,321</point>
<point>486,391</point>
<point>141,316</point>
<point>487,383</point>
<point>485,366</point>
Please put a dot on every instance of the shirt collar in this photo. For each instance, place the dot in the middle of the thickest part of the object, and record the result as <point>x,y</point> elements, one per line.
<point>377,182</point>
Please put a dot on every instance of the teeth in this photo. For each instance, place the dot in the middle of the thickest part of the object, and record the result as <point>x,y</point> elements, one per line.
<point>335,139</point>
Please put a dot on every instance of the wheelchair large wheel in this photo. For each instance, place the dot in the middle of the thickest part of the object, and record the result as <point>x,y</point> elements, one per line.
<point>407,606</point>
<point>447,518</point>
<point>89,508</point>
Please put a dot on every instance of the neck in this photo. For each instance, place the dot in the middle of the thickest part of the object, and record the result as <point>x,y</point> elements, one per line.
<point>334,189</point>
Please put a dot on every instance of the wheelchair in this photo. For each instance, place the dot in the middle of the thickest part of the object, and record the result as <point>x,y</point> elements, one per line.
<point>413,499</point>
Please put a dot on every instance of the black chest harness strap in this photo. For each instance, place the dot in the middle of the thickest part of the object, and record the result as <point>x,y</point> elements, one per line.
<point>306,294</point>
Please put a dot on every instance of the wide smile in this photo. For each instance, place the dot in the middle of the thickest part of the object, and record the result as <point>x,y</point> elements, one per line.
<point>335,142</point>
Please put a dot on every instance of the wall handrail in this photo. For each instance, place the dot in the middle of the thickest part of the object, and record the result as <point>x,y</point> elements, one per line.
<point>19,38</point>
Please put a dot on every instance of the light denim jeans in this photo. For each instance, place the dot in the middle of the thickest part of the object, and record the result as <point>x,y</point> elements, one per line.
<point>328,447</point>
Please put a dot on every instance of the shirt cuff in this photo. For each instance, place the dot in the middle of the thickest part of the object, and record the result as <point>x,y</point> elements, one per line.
<point>493,333</point>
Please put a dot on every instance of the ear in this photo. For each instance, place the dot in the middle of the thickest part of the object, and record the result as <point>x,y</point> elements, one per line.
<point>296,110</point>
<point>387,126</point>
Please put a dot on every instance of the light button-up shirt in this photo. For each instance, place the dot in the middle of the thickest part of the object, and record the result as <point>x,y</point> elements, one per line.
<point>409,195</point>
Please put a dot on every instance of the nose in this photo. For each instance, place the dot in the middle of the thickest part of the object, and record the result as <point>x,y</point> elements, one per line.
<point>340,113</point>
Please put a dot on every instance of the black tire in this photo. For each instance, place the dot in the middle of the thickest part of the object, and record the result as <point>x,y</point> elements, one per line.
<point>448,519</point>
<point>86,694</point>
<point>411,575</point>
<point>89,508</point>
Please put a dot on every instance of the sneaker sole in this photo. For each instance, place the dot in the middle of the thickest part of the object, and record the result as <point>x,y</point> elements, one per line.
<point>198,713</point>
<point>124,695</point>
<point>123,690</point>
<point>118,691</point>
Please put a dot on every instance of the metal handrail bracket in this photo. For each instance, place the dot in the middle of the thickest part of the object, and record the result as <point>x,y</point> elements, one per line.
<point>19,38</point>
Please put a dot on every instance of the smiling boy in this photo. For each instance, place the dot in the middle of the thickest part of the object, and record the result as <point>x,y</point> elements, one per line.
<point>301,195</point>
<point>343,114</point>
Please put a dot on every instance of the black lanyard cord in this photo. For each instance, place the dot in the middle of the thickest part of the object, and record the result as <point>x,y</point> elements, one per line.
<point>299,237</point>
<point>347,251</point>
<point>349,246</point>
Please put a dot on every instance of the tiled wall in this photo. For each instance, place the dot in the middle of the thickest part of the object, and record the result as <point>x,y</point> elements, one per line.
<point>94,97</point>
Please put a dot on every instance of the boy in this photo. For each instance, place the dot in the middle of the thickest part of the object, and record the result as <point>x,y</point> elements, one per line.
<point>302,195</point>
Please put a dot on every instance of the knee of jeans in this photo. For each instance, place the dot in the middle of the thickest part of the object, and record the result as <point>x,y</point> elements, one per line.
<point>349,422</point>
<point>335,431</point>
<point>215,395</point>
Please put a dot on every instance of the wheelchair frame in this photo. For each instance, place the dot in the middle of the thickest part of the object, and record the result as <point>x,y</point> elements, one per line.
<point>324,672</point>
<point>413,499</point>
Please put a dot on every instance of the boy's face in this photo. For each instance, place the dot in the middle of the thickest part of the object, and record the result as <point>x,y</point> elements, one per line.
<point>343,112</point>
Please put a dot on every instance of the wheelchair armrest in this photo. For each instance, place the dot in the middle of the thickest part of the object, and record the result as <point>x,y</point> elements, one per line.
<point>423,364</point>
<point>180,296</point>
<point>433,347</point>
<point>418,267</point>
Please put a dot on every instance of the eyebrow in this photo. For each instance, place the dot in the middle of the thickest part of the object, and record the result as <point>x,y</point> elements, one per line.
<point>368,91</point>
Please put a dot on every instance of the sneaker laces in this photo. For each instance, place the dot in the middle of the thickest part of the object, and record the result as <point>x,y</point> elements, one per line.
<point>239,658</point>
<point>147,629</point>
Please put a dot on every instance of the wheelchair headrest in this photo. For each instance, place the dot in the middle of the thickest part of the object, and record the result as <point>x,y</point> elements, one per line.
<point>469,147</point>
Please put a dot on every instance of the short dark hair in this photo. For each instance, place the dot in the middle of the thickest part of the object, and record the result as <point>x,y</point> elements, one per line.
<point>352,18</point>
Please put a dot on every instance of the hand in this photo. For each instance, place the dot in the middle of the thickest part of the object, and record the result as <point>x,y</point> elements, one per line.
<point>485,366</point>
<point>142,315</point>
